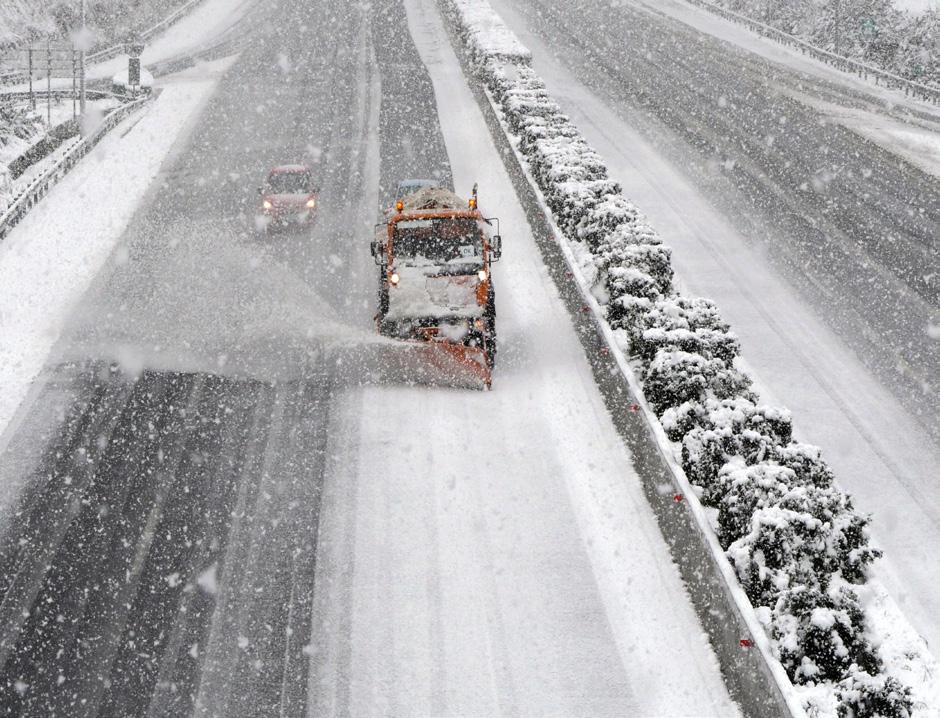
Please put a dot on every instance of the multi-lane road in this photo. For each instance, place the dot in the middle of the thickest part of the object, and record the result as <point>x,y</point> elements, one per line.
<point>225,510</point>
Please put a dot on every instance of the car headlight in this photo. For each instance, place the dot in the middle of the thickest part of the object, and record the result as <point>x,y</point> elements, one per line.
<point>311,203</point>
<point>267,204</point>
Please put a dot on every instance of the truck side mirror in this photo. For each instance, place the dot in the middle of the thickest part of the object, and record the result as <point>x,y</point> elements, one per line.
<point>261,190</point>
<point>496,246</point>
<point>378,250</point>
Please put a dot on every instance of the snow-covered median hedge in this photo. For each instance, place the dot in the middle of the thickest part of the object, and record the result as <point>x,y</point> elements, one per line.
<point>799,548</point>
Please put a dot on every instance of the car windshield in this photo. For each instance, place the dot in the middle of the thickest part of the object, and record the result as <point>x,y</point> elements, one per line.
<point>438,241</point>
<point>288,182</point>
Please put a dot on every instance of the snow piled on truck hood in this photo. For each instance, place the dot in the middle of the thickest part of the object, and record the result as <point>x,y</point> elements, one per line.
<point>432,198</point>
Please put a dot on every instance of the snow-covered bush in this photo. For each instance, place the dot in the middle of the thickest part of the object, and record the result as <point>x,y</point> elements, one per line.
<point>709,449</point>
<point>628,310</point>
<point>707,342</point>
<point>874,694</point>
<point>620,267</point>
<point>819,634</point>
<point>779,551</point>
<point>746,490</point>
<point>571,201</point>
<point>680,420</point>
<point>486,35</point>
<point>807,464</point>
<point>613,212</point>
<point>674,378</point>
<point>670,319</point>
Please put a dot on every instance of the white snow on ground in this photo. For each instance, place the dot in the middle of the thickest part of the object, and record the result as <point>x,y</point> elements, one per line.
<point>49,260</point>
<point>878,453</point>
<point>911,141</point>
<point>205,23</point>
<point>493,553</point>
<point>916,5</point>
<point>489,34</point>
<point>915,142</point>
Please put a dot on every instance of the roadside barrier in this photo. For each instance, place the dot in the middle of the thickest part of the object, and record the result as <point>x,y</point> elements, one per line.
<point>38,188</point>
<point>863,70</point>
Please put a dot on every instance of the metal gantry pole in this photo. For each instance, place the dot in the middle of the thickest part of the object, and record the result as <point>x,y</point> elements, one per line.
<point>81,63</point>
<point>32,97</point>
<point>74,83</point>
<point>49,82</point>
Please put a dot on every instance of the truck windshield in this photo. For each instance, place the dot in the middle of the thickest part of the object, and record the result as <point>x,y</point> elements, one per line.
<point>450,241</point>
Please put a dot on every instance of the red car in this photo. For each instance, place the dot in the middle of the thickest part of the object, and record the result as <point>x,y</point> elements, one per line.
<point>288,197</point>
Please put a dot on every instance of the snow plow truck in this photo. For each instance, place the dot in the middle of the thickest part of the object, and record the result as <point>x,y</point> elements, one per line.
<point>435,252</point>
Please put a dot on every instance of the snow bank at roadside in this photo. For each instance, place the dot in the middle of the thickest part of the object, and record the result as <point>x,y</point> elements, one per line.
<point>488,36</point>
<point>50,259</point>
<point>798,547</point>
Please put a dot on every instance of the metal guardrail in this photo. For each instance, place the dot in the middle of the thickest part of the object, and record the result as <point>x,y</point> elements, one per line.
<point>61,93</point>
<point>863,70</point>
<point>118,49</point>
<point>13,78</point>
<point>38,188</point>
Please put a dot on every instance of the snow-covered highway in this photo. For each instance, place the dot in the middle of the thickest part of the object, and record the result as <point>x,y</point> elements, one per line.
<point>231,525</point>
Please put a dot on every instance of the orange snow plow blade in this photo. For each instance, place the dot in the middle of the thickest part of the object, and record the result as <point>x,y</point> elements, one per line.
<point>461,363</point>
<point>432,363</point>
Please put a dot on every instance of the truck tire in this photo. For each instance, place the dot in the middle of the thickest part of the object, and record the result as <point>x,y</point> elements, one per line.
<point>489,330</point>
<point>383,297</point>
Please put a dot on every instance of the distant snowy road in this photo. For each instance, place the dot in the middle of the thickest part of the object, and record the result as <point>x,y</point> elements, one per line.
<point>232,526</point>
<point>844,220</point>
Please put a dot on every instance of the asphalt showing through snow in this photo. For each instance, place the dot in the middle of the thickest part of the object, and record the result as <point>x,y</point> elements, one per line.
<point>161,561</point>
<point>852,227</point>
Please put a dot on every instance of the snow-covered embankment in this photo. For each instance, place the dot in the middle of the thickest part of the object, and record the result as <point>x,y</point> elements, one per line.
<point>790,536</point>
<point>50,259</point>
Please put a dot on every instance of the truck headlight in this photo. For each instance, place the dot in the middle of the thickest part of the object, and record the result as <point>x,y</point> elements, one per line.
<point>311,203</point>
<point>267,204</point>
<point>482,275</point>
<point>394,278</point>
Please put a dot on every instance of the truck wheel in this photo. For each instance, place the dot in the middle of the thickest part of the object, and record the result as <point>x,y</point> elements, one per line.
<point>489,344</point>
<point>489,334</point>
<point>383,299</point>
